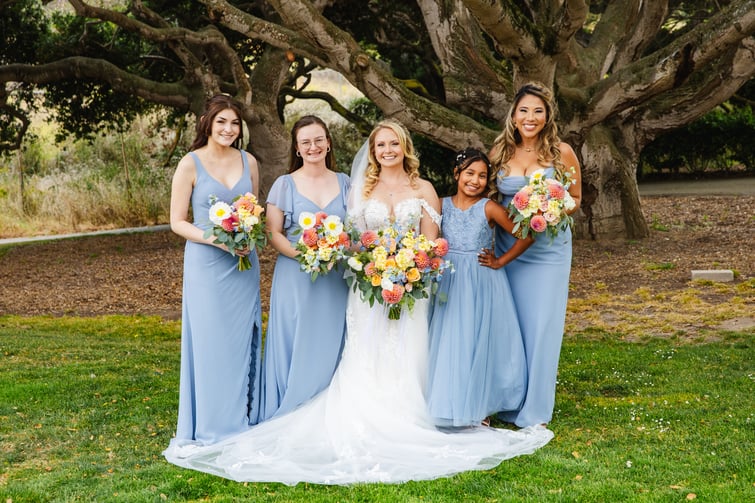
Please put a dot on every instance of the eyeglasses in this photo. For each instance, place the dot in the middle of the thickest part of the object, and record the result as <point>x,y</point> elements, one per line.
<point>317,142</point>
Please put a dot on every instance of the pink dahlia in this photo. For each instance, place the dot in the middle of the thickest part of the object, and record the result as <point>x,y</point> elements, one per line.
<point>421,260</point>
<point>393,296</point>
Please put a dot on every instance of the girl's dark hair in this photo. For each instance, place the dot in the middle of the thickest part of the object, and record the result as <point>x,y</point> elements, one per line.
<point>294,161</point>
<point>213,106</point>
<point>466,157</point>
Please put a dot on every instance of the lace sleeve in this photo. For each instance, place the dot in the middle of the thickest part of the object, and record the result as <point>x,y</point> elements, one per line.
<point>434,216</point>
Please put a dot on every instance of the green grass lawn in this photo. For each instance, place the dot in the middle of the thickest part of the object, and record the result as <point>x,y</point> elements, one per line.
<point>87,405</point>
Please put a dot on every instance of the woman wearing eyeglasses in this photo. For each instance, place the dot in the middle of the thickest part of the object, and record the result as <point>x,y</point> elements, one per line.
<point>307,318</point>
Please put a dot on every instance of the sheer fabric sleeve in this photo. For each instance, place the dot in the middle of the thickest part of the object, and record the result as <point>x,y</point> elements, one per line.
<point>345,182</point>
<point>281,196</point>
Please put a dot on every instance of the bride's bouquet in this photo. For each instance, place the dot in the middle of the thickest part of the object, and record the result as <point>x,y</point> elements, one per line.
<point>395,268</point>
<point>239,224</point>
<point>322,244</point>
<point>541,206</point>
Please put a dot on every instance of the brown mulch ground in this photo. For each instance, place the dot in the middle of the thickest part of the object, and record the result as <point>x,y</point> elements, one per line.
<point>141,273</point>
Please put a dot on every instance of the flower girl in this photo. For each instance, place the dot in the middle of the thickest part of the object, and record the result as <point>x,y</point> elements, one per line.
<point>477,364</point>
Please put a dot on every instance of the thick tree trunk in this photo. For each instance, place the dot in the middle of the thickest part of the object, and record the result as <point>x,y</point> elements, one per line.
<point>610,197</point>
<point>268,139</point>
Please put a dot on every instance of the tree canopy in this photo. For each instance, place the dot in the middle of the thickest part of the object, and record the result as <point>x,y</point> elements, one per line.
<point>624,71</point>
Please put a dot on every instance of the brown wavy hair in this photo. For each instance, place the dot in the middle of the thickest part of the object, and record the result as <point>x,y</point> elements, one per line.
<point>411,161</point>
<point>294,161</point>
<point>548,149</point>
<point>213,106</point>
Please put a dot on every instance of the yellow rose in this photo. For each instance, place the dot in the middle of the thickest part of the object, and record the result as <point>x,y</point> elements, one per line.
<point>413,274</point>
<point>375,279</point>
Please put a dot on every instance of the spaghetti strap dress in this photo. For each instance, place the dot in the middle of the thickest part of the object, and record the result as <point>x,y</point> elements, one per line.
<point>220,329</point>
<point>477,363</point>
<point>307,321</point>
<point>539,280</point>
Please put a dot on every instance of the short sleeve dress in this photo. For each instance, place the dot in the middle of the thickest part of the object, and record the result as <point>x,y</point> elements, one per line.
<point>307,319</point>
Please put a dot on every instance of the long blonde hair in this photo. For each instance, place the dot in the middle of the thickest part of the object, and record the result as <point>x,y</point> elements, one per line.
<point>411,162</point>
<point>548,149</point>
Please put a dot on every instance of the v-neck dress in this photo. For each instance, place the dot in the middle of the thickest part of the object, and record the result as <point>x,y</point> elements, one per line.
<point>220,328</point>
<point>307,320</point>
<point>477,364</point>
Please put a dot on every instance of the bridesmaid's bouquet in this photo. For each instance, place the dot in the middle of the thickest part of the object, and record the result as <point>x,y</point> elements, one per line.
<point>541,206</point>
<point>395,269</point>
<point>322,244</point>
<point>238,225</point>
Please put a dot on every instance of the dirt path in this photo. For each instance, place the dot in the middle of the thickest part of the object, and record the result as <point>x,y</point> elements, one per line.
<point>141,273</point>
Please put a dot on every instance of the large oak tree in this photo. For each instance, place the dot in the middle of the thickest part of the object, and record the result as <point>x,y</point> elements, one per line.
<point>624,71</point>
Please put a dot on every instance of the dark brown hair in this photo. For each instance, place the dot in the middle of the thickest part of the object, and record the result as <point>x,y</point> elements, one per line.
<point>213,106</point>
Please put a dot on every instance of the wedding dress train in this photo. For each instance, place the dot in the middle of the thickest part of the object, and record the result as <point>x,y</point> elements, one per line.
<point>371,424</point>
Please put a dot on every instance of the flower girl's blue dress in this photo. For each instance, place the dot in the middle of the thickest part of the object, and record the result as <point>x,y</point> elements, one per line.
<point>477,362</point>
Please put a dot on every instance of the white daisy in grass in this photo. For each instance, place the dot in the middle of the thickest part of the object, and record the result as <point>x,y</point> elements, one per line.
<point>219,212</point>
<point>307,220</point>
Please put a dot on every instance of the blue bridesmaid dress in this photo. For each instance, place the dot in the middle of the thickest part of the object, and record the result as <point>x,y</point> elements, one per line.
<point>220,329</point>
<point>539,280</point>
<point>307,322</point>
<point>477,364</point>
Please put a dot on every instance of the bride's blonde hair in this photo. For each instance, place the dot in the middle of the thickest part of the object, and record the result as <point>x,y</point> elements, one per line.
<point>548,149</point>
<point>411,162</point>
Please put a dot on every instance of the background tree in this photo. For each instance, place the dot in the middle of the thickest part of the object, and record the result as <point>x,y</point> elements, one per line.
<point>625,71</point>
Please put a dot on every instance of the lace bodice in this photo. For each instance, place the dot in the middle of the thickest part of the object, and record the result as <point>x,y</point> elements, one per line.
<point>466,230</point>
<point>374,214</point>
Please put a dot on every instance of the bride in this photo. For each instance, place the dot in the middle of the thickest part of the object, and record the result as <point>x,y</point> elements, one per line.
<point>371,424</point>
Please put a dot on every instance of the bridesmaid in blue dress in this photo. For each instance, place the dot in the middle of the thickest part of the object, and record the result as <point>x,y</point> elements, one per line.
<point>307,322</point>
<point>539,278</point>
<point>221,318</point>
<point>477,364</point>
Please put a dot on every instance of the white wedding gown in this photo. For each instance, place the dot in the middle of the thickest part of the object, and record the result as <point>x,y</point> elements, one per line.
<point>371,423</point>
